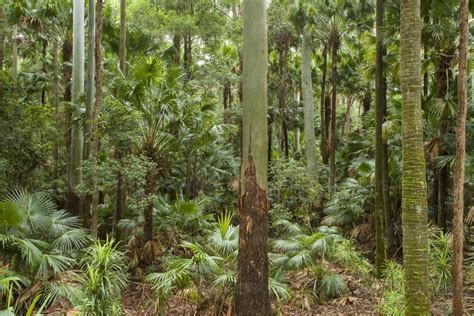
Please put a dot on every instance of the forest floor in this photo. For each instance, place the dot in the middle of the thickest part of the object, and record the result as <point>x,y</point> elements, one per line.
<point>360,300</point>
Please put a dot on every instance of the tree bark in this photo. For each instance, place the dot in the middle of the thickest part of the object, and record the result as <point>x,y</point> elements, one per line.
<point>308,105</point>
<point>75,173</point>
<point>123,37</point>
<point>56,109</point>
<point>379,117</point>
<point>414,196</point>
<point>15,54</point>
<point>150,188</point>
<point>324,118</point>
<point>332,155</point>
<point>458,210</point>
<point>252,295</point>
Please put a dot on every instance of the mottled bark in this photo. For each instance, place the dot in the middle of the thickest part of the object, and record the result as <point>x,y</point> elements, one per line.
<point>458,210</point>
<point>308,105</point>
<point>75,172</point>
<point>251,293</point>
<point>414,196</point>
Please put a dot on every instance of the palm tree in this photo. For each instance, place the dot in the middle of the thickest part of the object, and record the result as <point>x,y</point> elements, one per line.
<point>414,196</point>
<point>252,295</point>
<point>458,232</point>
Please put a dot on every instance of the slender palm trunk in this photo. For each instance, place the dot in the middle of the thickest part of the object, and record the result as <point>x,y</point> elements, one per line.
<point>308,105</point>
<point>251,294</point>
<point>15,54</point>
<point>458,210</point>
<point>324,118</point>
<point>379,117</point>
<point>332,156</point>
<point>89,121</point>
<point>283,61</point>
<point>75,173</point>
<point>123,37</point>
<point>414,196</point>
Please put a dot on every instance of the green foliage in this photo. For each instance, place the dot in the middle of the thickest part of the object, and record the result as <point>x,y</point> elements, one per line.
<point>102,279</point>
<point>393,300</point>
<point>441,260</point>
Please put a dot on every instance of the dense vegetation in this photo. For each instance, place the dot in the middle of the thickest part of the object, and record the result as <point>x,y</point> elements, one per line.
<point>226,157</point>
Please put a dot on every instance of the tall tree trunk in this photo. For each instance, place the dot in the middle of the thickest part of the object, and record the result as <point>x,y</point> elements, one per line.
<point>187,57</point>
<point>70,204</point>
<point>96,109</point>
<point>15,54</point>
<point>332,156</point>
<point>123,37</point>
<point>44,53</point>
<point>283,61</point>
<point>458,210</point>
<point>308,105</point>
<point>414,196</point>
<point>379,118</point>
<point>251,294</point>
<point>346,128</point>
<point>89,121</point>
<point>56,109</point>
<point>2,37</point>
<point>75,173</point>
<point>227,99</point>
<point>177,49</point>
<point>443,183</point>
<point>323,145</point>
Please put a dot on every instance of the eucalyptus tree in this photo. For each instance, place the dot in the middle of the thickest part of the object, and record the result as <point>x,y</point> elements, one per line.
<point>77,139</point>
<point>252,294</point>
<point>459,169</point>
<point>414,196</point>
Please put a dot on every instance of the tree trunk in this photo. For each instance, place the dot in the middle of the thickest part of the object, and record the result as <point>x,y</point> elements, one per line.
<point>177,49</point>
<point>187,58</point>
<point>15,54</point>
<point>2,38</point>
<point>75,173</point>
<point>308,105</point>
<point>90,104</point>
<point>324,118</point>
<point>332,155</point>
<point>283,61</point>
<point>458,210</point>
<point>56,109</point>
<point>123,37</point>
<point>150,188</point>
<point>379,118</point>
<point>443,183</point>
<point>71,205</point>
<point>251,294</point>
<point>414,196</point>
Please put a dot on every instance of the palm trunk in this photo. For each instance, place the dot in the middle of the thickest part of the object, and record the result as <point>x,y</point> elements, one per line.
<point>89,121</point>
<point>150,189</point>
<point>75,173</point>
<point>379,117</point>
<point>123,37</point>
<point>414,196</point>
<point>308,105</point>
<point>15,54</point>
<point>324,118</point>
<point>56,109</point>
<point>458,210</point>
<point>251,293</point>
<point>332,156</point>
<point>283,53</point>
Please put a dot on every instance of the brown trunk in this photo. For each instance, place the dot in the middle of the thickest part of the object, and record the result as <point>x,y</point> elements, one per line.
<point>123,36</point>
<point>332,156</point>
<point>187,55</point>
<point>443,183</point>
<point>227,95</point>
<point>177,49</point>
<point>327,128</point>
<point>324,118</point>
<point>282,100</point>
<point>253,248</point>
<point>44,70</point>
<point>150,188</point>
<point>241,70</point>
<point>458,210</point>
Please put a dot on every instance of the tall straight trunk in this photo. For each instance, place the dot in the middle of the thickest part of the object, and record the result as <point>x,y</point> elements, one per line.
<point>56,108</point>
<point>458,209</point>
<point>308,105</point>
<point>346,128</point>
<point>150,189</point>
<point>123,37</point>
<point>15,54</point>
<point>379,118</point>
<point>443,183</point>
<point>96,109</point>
<point>187,56</point>
<point>251,293</point>
<point>2,38</point>
<point>90,104</point>
<point>70,204</point>
<point>332,155</point>
<point>177,49</point>
<point>75,173</point>
<point>283,61</point>
<point>414,196</point>
<point>324,118</point>
<point>44,52</point>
